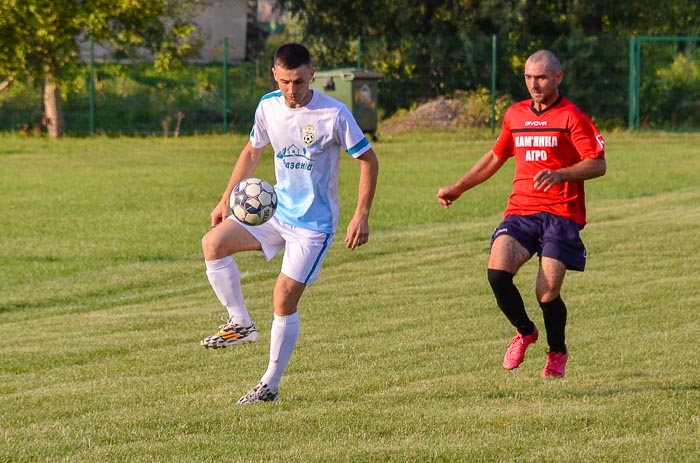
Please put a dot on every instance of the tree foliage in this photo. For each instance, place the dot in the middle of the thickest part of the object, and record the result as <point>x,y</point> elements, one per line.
<point>348,18</point>
<point>431,47</point>
<point>39,38</point>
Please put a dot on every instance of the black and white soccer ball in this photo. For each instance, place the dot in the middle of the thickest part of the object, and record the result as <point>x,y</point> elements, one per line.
<point>253,201</point>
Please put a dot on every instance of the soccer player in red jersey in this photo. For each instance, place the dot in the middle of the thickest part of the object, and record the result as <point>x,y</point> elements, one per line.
<point>556,148</point>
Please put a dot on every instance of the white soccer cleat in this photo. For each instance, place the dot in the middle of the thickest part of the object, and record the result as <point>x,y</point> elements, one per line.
<point>230,334</point>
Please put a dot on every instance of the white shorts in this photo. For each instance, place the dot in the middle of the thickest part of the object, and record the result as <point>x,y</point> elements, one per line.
<point>304,250</point>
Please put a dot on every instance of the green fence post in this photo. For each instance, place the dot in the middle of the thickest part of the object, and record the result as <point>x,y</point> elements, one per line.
<point>359,52</point>
<point>225,85</point>
<point>635,73</point>
<point>638,83</point>
<point>630,87</point>
<point>493,82</point>
<point>91,87</point>
<point>634,84</point>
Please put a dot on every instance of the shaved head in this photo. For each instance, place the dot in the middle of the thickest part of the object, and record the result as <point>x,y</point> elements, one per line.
<point>546,57</point>
<point>543,74</point>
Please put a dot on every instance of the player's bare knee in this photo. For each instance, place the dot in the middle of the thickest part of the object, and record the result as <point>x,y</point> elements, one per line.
<point>211,246</point>
<point>545,295</point>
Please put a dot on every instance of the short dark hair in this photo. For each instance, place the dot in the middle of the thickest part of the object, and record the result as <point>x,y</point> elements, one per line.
<point>292,56</point>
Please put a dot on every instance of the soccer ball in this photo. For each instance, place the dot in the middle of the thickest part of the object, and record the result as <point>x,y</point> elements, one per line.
<point>253,201</point>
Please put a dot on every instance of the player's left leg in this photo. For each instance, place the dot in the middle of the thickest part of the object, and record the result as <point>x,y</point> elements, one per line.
<point>285,328</point>
<point>562,250</point>
<point>549,282</point>
<point>304,254</point>
<point>283,338</point>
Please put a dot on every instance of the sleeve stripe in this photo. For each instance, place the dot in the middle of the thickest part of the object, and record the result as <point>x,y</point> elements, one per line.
<point>361,144</point>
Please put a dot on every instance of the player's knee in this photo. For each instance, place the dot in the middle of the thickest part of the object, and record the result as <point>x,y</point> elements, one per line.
<point>546,292</point>
<point>546,296</point>
<point>210,246</point>
<point>499,280</point>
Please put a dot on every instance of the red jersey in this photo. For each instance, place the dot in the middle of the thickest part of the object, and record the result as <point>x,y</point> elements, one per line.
<point>557,137</point>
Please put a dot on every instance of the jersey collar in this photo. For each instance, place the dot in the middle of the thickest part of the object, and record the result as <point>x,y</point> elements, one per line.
<point>539,113</point>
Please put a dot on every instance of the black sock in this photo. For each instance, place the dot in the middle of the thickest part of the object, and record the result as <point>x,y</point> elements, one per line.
<point>509,301</point>
<point>554,313</point>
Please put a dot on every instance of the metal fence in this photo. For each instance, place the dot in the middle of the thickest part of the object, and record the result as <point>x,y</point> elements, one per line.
<point>617,81</point>
<point>122,98</point>
<point>664,83</point>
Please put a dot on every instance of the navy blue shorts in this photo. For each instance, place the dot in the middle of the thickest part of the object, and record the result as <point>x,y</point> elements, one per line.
<point>548,235</point>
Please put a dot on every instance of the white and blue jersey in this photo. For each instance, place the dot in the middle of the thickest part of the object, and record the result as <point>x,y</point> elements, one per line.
<point>307,143</point>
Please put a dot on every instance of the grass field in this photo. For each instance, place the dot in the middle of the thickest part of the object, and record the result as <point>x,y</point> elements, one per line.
<point>104,298</point>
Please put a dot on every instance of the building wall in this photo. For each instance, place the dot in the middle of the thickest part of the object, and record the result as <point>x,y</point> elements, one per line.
<point>224,19</point>
<point>221,19</point>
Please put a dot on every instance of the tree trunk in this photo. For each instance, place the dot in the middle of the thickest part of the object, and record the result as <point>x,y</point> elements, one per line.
<point>6,83</point>
<point>53,111</point>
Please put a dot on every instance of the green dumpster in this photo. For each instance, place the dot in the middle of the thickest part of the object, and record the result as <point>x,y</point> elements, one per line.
<point>357,88</point>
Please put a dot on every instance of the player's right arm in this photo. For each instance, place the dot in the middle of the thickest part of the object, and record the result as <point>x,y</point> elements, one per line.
<point>479,173</point>
<point>245,167</point>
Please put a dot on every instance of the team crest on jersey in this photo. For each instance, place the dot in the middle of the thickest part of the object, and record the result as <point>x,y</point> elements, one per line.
<point>308,135</point>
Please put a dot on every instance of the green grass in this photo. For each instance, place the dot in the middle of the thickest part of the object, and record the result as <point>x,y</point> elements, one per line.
<point>104,299</point>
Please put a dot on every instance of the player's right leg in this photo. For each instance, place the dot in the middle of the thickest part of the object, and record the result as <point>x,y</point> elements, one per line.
<point>218,244</point>
<point>506,257</point>
<point>229,237</point>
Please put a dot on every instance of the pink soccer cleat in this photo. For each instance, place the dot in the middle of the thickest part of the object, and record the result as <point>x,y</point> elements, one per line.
<point>555,366</point>
<point>516,349</point>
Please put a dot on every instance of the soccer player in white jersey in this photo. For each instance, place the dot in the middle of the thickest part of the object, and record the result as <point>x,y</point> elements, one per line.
<point>307,131</point>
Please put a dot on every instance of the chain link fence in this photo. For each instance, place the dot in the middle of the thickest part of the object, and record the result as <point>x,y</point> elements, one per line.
<point>135,99</point>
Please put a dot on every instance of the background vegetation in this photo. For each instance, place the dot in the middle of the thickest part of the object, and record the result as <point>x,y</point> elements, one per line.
<point>428,48</point>
<point>138,99</point>
<point>424,50</point>
<point>104,300</point>
<point>39,40</point>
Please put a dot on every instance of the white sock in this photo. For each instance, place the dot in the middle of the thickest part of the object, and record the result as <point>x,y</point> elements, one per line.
<point>225,280</point>
<point>283,338</point>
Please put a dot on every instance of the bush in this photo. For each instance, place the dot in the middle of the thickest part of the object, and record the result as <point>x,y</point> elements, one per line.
<point>675,94</point>
<point>135,99</point>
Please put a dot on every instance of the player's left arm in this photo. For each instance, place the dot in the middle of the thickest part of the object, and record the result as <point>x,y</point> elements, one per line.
<point>590,146</point>
<point>358,229</point>
<point>585,169</point>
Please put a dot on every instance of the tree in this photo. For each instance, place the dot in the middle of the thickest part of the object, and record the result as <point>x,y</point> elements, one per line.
<point>429,47</point>
<point>39,38</point>
<point>412,41</point>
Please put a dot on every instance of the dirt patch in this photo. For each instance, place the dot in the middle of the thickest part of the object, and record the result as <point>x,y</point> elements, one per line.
<point>443,113</point>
